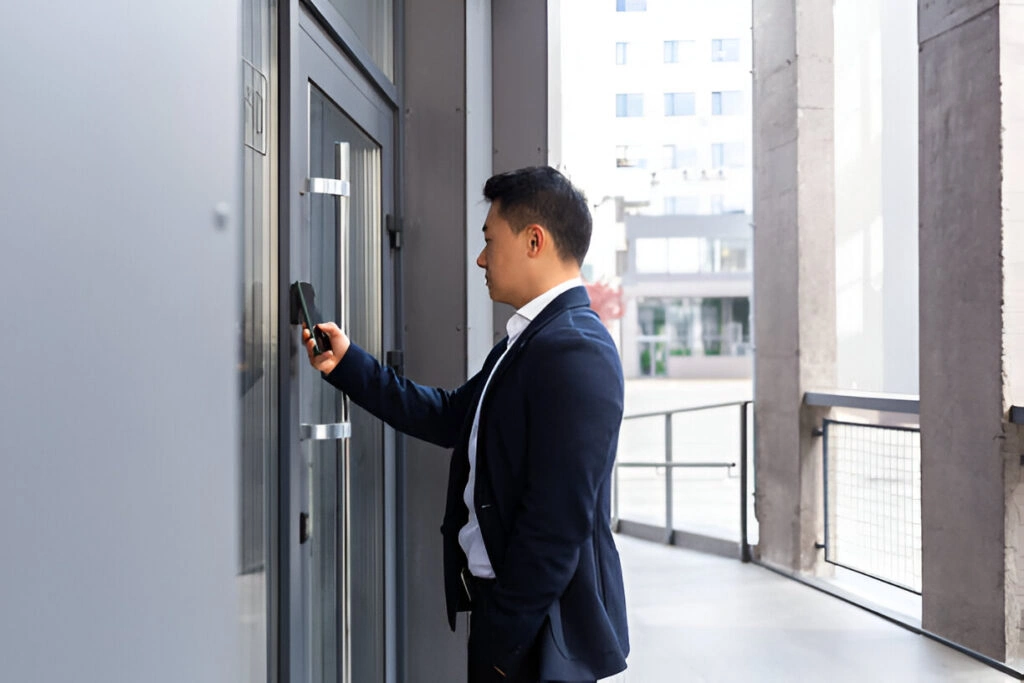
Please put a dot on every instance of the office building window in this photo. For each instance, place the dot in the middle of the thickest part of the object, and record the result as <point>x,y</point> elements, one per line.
<point>630,156</point>
<point>727,103</point>
<point>629,104</point>
<point>630,5</point>
<point>680,104</point>
<point>675,206</point>
<point>620,53</point>
<point>728,155</point>
<point>676,156</point>
<point>677,51</point>
<point>673,330</point>
<point>725,50</point>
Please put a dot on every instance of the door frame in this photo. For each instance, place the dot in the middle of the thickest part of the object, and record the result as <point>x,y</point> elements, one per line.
<point>308,50</point>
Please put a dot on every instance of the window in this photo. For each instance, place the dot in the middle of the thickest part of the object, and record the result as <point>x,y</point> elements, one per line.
<point>678,51</point>
<point>680,104</point>
<point>727,103</point>
<point>629,104</point>
<point>733,256</point>
<point>620,53</point>
<point>629,156</point>
<point>728,155</point>
<point>630,5</point>
<point>725,50</point>
<point>675,206</point>
<point>674,156</point>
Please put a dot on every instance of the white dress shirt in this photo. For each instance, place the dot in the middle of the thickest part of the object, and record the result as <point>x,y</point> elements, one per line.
<point>470,539</point>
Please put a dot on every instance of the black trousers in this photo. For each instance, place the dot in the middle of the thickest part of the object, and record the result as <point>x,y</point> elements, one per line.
<point>480,669</point>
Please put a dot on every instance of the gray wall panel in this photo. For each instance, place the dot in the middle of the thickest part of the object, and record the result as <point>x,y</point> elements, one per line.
<point>519,46</point>
<point>434,178</point>
<point>119,341</point>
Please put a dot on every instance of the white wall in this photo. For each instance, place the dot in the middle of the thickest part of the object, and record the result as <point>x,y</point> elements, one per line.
<point>119,341</point>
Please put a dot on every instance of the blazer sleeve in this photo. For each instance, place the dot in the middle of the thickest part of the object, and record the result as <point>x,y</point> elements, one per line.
<point>428,413</point>
<point>572,417</point>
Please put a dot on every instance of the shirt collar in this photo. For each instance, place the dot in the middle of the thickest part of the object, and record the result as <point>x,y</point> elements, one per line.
<point>525,315</point>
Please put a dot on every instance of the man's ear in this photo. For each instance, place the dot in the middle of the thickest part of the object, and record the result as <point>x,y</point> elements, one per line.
<point>537,239</point>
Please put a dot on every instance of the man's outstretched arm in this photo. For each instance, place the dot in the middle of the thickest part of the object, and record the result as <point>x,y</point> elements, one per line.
<point>428,413</point>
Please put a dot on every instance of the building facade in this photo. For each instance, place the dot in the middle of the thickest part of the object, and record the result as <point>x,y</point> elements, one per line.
<point>657,101</point>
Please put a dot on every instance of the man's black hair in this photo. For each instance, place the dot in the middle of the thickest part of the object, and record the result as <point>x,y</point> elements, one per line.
<point>542,195</point>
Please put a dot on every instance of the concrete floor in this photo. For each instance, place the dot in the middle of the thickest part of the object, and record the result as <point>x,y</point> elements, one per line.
<point>698,618</point>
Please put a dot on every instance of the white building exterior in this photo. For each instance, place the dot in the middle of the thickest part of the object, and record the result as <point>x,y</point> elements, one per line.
<point>655,107</point>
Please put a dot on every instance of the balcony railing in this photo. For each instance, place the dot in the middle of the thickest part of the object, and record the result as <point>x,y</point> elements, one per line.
<point>872,487</point>
<point>701,449</point>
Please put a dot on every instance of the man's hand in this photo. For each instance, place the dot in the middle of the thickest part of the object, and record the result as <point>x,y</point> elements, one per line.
<point>327,360</point>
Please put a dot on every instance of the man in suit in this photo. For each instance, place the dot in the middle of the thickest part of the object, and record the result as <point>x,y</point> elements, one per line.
<point>527,543</point>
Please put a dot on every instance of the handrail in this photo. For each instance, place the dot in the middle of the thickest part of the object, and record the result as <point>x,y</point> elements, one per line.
<point>689,409</point>
<point>669,530</point>
<point>675,464</point>
<point>864,400</point>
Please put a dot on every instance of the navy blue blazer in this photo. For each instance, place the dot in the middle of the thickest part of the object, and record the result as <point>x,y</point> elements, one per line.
<point>546,445</point>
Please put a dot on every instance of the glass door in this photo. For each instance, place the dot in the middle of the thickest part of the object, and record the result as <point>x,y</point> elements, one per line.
<point>340,455</point>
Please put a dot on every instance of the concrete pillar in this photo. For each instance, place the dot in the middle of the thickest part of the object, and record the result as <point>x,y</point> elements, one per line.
<point>1011,71</point>
<point>971,201</point>
<point>794,267</point>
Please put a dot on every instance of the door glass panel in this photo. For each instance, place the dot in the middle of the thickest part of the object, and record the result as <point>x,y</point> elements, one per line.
<point>373,22</point>
<point>257,367</point>
<point>347,558</point>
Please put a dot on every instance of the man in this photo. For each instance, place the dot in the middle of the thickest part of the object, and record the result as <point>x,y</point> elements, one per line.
<point>527,544</point>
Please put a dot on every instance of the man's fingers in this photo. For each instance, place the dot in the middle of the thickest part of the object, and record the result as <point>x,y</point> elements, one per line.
<point>331,329</point>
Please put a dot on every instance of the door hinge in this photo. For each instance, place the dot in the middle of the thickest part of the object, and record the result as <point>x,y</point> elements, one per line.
<point>394,228</point>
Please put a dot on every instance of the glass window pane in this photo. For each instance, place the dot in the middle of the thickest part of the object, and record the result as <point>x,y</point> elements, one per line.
<point>681,205</point>
<point>727,103</point>
<point>727,154</point>
<point>725,50</point>
<point>629,104</point>
<point>630,5</point>
<point>373,23</point>
<point>680,104</point>
<point>671,51</point>
<point>620,53</point>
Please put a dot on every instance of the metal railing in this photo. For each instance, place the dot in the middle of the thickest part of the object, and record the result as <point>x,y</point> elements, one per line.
<point>871,475</point>
<point>667,533</point>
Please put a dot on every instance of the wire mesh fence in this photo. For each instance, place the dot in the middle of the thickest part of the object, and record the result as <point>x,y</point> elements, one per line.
<point>873,501</point>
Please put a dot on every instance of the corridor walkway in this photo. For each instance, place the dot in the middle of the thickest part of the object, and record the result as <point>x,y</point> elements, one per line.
<point>698,618</point>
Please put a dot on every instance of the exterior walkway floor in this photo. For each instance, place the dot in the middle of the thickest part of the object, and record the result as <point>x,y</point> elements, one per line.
<point>698,618</point>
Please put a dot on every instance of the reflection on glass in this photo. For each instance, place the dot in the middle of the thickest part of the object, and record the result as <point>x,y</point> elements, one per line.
<point>373,23</point>
<point>349,482</point>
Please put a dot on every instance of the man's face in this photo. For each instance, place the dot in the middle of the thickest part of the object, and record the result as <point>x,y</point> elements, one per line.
<point>503,258</point>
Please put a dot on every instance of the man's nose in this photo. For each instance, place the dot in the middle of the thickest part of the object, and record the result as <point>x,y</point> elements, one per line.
<point>480,261</point>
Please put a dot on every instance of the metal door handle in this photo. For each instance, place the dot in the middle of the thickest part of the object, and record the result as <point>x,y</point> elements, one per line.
<point>325,432</point>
